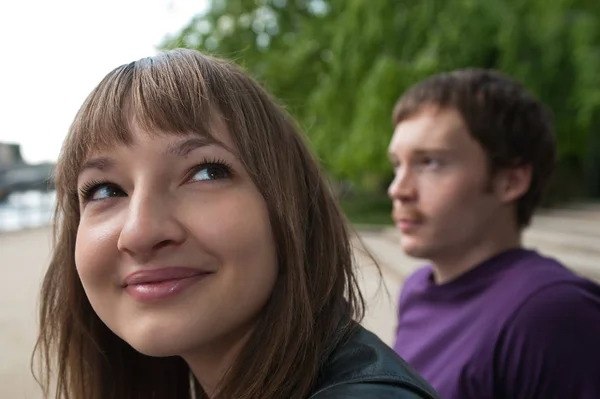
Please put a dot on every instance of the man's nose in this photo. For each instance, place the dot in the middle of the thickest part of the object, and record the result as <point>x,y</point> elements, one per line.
<point>403,187</point>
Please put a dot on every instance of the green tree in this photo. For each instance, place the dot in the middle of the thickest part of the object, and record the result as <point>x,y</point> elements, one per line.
<point>340,65</point>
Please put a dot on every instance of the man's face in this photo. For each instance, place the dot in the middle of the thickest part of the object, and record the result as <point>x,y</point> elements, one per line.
<point>444,201</point>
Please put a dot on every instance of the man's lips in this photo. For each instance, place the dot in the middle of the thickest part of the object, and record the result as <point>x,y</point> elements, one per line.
<point>407,223</point>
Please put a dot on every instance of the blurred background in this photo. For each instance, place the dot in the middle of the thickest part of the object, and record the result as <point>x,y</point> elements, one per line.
<point>338,66</point>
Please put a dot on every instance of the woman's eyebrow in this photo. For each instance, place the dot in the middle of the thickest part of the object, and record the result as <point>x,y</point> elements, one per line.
<point>100,163</point>
<point>184,147</point>
<point>179,149</point>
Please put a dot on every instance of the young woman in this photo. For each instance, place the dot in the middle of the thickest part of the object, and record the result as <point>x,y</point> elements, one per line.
<point>199,252</point>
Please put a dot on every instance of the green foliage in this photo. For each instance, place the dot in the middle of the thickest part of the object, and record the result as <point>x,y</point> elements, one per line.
<point>367,209</point>
<point>340,65</point>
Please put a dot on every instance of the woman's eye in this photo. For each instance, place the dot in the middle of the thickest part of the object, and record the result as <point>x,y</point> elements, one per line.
<point>102,191</point>
<point>211,172</point>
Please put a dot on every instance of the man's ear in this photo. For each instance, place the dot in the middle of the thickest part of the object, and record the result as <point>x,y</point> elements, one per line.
<point>512,183</point>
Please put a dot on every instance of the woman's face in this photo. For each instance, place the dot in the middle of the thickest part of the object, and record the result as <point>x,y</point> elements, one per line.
<point>174,247</point>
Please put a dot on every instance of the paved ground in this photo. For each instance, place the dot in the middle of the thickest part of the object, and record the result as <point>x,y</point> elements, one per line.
<point>24,256</point>
<point>572,238</point>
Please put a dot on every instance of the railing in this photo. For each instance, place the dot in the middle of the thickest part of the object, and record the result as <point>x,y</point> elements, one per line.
<point>23,210</point>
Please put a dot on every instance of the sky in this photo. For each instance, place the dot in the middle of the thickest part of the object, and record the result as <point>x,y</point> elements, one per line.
<point>54,52</point>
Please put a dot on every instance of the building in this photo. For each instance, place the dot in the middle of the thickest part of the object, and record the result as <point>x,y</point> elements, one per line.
<point>17,175</point>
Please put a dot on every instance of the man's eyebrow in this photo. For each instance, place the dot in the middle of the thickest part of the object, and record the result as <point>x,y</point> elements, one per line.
<point>423,151</point>
<point>434,151</point>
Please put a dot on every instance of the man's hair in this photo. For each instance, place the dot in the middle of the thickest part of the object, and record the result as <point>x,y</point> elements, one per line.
<point>509,123</point>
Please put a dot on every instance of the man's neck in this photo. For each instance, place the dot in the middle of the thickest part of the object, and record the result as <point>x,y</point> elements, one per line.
<point>453,264</point>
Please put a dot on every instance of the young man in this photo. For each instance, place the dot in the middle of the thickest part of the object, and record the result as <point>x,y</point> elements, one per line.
<point>472,152</point>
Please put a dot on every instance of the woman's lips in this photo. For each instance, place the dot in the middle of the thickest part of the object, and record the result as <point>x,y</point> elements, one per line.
<point>156,284</point>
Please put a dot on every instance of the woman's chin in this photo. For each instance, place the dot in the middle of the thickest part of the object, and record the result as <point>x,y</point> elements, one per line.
<point>155,345</point>
<point>155,349</point>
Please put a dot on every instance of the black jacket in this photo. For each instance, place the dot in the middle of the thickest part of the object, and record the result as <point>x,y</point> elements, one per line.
<point>364,367</point>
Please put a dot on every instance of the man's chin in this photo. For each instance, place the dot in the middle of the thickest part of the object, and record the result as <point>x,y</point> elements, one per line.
<point>415,249</point>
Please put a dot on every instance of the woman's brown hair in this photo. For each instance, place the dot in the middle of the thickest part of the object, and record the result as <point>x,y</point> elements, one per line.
<point>316,296</point>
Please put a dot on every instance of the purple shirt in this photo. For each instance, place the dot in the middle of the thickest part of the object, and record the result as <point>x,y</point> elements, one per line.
<point>518,326</point>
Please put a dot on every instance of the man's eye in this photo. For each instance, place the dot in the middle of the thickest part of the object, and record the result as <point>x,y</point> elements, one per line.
<point>432,163</point>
